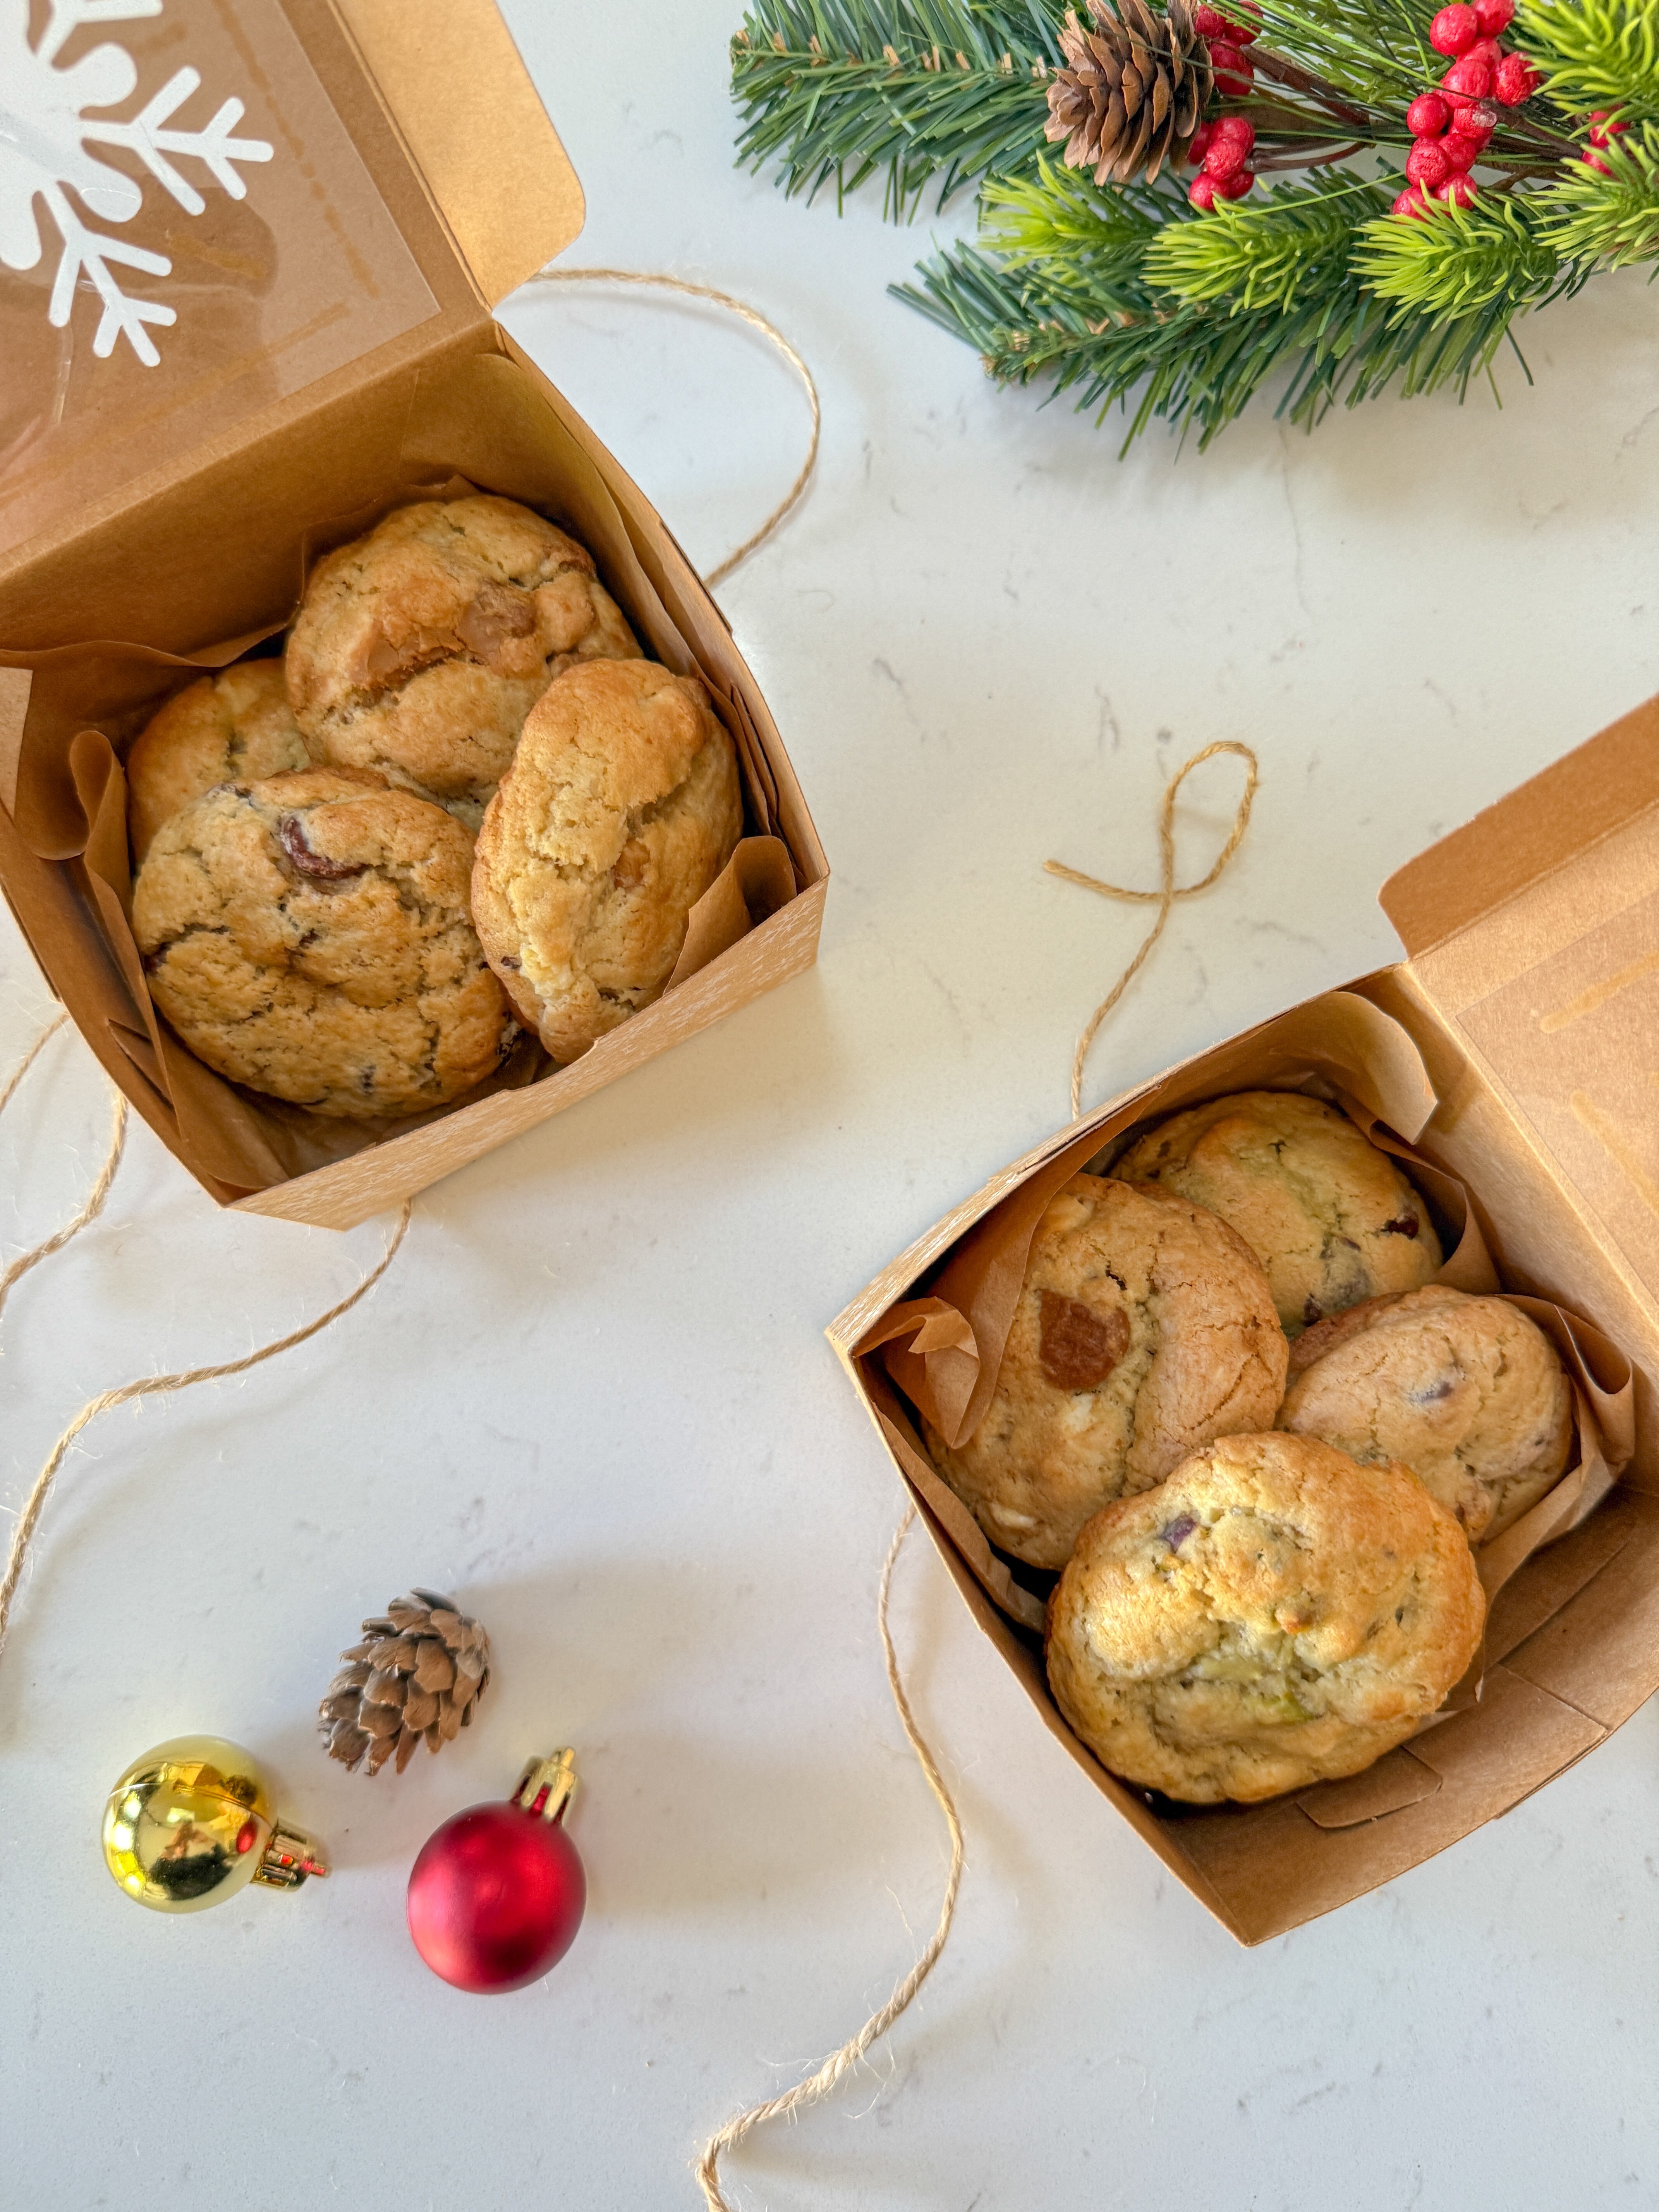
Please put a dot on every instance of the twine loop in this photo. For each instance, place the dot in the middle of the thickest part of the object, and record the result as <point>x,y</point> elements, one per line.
<point>656,280</point>
<point>1168,893</point>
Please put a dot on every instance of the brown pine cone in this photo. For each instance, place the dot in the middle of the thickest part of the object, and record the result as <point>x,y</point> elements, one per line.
<point>1134,92</point>
<point>419,1672</point>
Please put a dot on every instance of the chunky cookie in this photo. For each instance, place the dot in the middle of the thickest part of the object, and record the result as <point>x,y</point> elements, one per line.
<point>621,808</point>
<point>1144,1328</point>
<point>420,649</point>
<point>1273,1616</point>
<point>309,936</point>
<point>1469,1392</point>
<point>1330,1217</point>
<point>234,727</point>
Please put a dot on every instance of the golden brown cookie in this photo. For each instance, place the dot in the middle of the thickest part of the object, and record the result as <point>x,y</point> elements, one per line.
<point>1330,1217</point>
<point>309,936</point>
<point>622,807</point>
<point>420,649</point>
<point>234,727</point>
<point>1144,1327</point>
<point>1273,1616</point>
<point>1469,1393</point>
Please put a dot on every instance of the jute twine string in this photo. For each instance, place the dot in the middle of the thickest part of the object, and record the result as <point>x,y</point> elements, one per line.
<point>94,1205</point>
<point>840,2062</point>
<point>1168,893</point>
<point>753,316</point>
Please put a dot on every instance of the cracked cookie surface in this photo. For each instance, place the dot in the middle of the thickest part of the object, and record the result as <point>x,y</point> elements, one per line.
<point>420,649</point>
<point>1144,1327</point>
<point>622,807</point>
<point>1469,1392</point>
<point>1331,1218</point>
<point>1274,1615</point>
<point>236,726</point>
<point>309,936</point>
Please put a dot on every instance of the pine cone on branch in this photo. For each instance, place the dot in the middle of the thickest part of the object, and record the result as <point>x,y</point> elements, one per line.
<point>1134,92</point>
<point>419,1671</point>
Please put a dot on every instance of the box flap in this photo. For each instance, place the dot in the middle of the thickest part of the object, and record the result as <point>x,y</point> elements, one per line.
<point>213,219</point>
<point>1534,933</point>
<point>475,124</point>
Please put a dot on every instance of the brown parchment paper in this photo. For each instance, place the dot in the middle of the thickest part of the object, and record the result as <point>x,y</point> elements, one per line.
<point>938,1353</point>
<point>65,788</point>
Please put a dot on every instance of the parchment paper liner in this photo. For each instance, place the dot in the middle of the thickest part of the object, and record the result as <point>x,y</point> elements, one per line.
<point>942,1349</point>
<point>66,792</point>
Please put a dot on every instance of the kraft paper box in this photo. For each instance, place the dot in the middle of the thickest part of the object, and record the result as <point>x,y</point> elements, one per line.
<point>1514,1056</point>
<point>268,237</point>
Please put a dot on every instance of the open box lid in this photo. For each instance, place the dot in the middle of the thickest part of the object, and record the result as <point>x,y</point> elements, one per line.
<point>213,217</point>
<point>1533,931</point>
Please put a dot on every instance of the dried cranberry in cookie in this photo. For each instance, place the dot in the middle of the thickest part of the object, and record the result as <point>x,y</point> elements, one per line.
<point>1468,1392</point>
<point>1275,1615</point>
<point>309,936</point>
<point>420,649</point>
<point>1144,1327</point>
<point>1331,1218</point>
<point>234,727</point>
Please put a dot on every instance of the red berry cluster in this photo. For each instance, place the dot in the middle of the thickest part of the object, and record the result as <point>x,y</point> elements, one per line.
<point>1221,151</point>
<point>1603,130</point>
<point>1450,127</point>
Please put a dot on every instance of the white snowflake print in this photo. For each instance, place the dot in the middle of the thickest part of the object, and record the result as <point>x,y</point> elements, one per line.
<point>46,133</point>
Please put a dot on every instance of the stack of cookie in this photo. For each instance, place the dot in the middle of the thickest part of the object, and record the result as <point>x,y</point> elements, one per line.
<point>1258,1440</point>
<point>462,804</point>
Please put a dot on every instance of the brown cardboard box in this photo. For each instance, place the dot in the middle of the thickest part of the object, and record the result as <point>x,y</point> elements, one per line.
<point>333,351</point>
<point>1517,1047</point>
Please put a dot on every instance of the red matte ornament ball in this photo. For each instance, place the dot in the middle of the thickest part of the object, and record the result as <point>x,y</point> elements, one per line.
<point>1455,30</point>
<point>495,1898</point>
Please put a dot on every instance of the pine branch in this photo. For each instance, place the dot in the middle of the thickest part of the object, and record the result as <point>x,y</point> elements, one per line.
<point>1197,365</point>
<point>1375,52</point>
<point>1089,240</point>
<point>1263,252</point>
<point>842,90</point>
<point>1451,261</point>
<point>1594,54</point>
<point>1606,221</point>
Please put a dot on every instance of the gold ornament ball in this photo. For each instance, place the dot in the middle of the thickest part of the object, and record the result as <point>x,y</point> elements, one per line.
<point>192,1822</point>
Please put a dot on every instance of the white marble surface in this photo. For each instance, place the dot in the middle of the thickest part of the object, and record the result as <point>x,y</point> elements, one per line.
<point>593,1397</point>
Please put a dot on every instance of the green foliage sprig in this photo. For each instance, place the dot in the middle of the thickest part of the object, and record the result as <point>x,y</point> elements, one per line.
<point>1127,297</point>
<point>911,90</point>
<point>1594,54</point>
<point>1611,220</point>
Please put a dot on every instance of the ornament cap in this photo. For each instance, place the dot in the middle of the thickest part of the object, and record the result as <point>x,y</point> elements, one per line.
<point>290,1858</point>
<point>547,1785</point>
